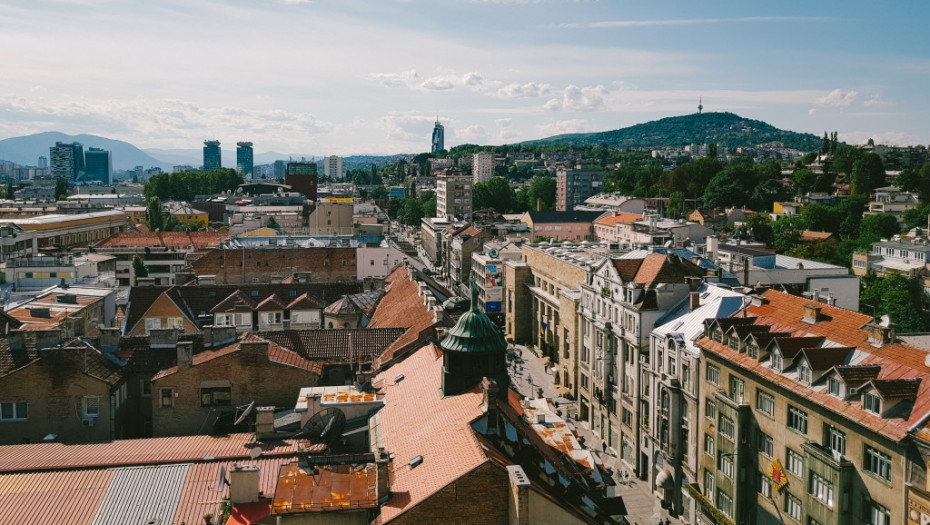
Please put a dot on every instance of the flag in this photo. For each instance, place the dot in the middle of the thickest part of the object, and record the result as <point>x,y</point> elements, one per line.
<point>542,328</point>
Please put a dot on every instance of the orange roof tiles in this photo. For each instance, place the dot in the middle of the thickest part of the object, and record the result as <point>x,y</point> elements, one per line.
<point>57,311</point>
<point>417,421</point>
<point>618,218</point>
<point>195,240</point>
<point>402,307</point>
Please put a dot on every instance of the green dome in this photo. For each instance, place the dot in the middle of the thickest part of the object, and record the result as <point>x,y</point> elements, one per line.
<point>474,332</point>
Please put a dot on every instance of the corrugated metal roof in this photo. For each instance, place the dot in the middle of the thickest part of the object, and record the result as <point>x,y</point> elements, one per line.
<point>53,497</point>
<point>716,301</point>
<point>200,494</point>
<point>142,495</point>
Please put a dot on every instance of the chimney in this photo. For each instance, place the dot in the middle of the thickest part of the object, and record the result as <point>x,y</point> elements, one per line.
<point>695,300</point>
<point>109,338</point>
<point>47,338</point>
<point>214,336</point>
<point>163,337</point>
<point>264,420</point>
<point>185,354</point>
<point>879,335</point>
<point>254,348</point>
<point>385,471</point>
<point>811,314</point>
<point>243,484</point>
<point>538,204</point>
<point>693,282</point>
<point>519,501</point>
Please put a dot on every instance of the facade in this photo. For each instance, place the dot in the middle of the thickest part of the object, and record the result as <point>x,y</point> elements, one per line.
<point>573,187</point>
<point>212,155</point>
<point>462,244</point>
<point>267,264</point>
<point>245,164</point>
<point>431,229</point>
<point>487,266</point>
<point>67,160</point>
<point>331,219</point>
<point>302,178</point>
<point>453,194</point>
<point>908,258</point>
<point>891,200</point>
<point>608,227</point>
<point>482,167</point>
<point>163,253</point>
<point>439,139</point>
<point>332,167</point>
<point>72,231</point>
<point>810,414</point>
<point>98,165</point>
<point>561,225</point>
<point>377,262</point>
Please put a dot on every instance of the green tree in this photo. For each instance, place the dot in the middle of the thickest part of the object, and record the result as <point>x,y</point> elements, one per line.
<point>413,212</point>
<point>804,181</point>
<point>786,232</point>
<point>818,217</point>
<point>272,223</point>
<point>427,201</point>
<point>897,297</point>
<point>724,191</point>
<point>61,188</point>
<point>867,174</point>
<point>876,227</point>
<point>139,269</point>
<point>919,216</point>
<point>155,215</point>
<point>495,194</point>
<point>540,189</point>
<point>379,193</point>
<point>760,227</point>
<point>676,206</point>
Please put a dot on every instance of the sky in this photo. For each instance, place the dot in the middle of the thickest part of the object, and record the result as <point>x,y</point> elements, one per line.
<point>351,77</point>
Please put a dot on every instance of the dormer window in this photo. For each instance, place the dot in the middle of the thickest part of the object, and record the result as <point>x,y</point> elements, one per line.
<point>804,373</point>
<point>835,387</point>
<point>753,350</point>
<point>872,403</point>
<point>777,361</point>
<point>718,335</point>
<point>734,342</point>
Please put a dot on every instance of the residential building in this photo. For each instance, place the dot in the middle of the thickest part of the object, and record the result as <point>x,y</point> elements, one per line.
<point>164,254</point>
<point>487,269</point>
<point>811,413</point>
<point>482,167</point>
<point>64,231</point>
<point>245,164</point>
<point>332,167</point>
<point>431,229</point>
<point>16,242</point>
<point>98,165</point>
<point>240,262</point>
<point>302,178</point>
<point>573,187</point>
<point>39,272</point>
<point>891,200</point>
<point>100,201</point>
<point>561,225</point>
<point>331,219</point>
<point>378,261</point>
<point>67,160</point>
<point>453,194</point>
<point>462,243</point>
<point>607,227</point>
<point>613,202</point>
<point>438,142</point>
<point>184,213</point>
<point>212,155</point>
<point>66,311</point>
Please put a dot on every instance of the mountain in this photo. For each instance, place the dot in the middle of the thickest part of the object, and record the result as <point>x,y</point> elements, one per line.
<point>725,129</point>
<point>26,150</point>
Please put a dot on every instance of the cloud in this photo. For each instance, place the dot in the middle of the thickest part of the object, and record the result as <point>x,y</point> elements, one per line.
<point>875,101</point>
<point>473,133</point>
<point>811,111</point>
<point>837,98</point>
<point>575,98</point>
<point>683,22</point>
<point>527,90</point>
<point>891,138</point>
<point>471,80</point>
<point>404,78</point>
<point>561,127</point>
<point>407,127</point>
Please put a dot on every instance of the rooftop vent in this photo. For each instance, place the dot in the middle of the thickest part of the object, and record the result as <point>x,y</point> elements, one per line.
<point>415,462</point>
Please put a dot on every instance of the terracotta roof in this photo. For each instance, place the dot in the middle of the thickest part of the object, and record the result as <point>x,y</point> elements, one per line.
<point>790,346</point>
<point>74,356</point>
<point>32,315</point>
<point>472,231</point>
<point>128,452</point>
<point>617,218</point>
<point>627,268</point>
<point>235,302</point>
<point>272,302</point>
<point>812,236</point>
<point>276,354</point>
<point>418,421</point>
<point>896,388</point>
<point>195,240</point>
<point>855,375</point>
<point>305,301</point>
<point>402,307</point>
<point>657,268</point>
<point>335,345</point>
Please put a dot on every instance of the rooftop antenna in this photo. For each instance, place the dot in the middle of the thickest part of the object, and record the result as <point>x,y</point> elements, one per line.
<point>245,413</point>
<point>700,105</point>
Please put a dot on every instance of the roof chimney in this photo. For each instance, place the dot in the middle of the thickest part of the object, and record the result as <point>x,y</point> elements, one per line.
<point>878,334</point>
<point>519,501</point>
<point>695,300</point>
<point>185,354</point>
<point>243,484</point>
<point>264,420</point>
<point>811,314</point>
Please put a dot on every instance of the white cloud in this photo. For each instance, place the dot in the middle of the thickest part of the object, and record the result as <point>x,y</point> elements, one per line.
<point>837,98</point>
<point>473,133</point>
<point>574,98</point>
<point>876,101</point>
<point>404,78</point>
<point>891,138</point>
<point>811,111</point>
<point>527,90</point>
<point>561,127</point>
<point>683,22</point>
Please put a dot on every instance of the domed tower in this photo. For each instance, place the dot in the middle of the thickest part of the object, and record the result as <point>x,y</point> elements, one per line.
<point>472,350</point>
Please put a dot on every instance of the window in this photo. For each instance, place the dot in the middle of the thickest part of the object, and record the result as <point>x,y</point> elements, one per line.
<point>708,482</point>
<point>709,446</point>
<point>166,397</point>
<point>877,462</point>
<point>753,350</point>
<point>710,409</point>
<point>777,362</point>
<point>766,445</point>
<point>804,373</point>
<point>797,420</point>
<point>727,428</point>
<point>878,514</point>
<point>145,387</point>
<point>152,324</point>
<point>795,463</point>
<point>872,403</point>
<point>14,411</point>
<point>821,489</point>
<point>725,503</point>
<point>90,406</point>
<point>765,402</point>
<point>712,374</point>
<point>737,389</point>
<point>835,440</point>
<point>725,464</point>
<point>793,506</point>
<point>835,387</point>
<point>215,396</point>
<point>765,485</point>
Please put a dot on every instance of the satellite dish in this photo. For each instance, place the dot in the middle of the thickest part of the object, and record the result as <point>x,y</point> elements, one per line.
<point>885,320</point>
<point>245,413</point>
<point>324,427</point>
<point>255,452</point>
<point>222,482</point>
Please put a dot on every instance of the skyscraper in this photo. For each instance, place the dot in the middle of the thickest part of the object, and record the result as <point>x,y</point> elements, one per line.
<point>43,162</point>
<point>244,164</point>
<point>439,140</point>
<point>212,155</point>
<point>99,165</point>
<point>332,167</point>
<point>67,160</point>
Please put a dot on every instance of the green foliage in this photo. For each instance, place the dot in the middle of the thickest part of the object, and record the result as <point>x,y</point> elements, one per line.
<point>139,269</point>
<point>676,206</point>
<point>819,251</point>
<point>917,216</point>
<point>760,226</point>
<point>379,193</point>
<point>876,227</point>
<point>155,215</point>
<point>867,174</point>
<point>185,185</point>
<point>272,223</point>
<point>804,181</point>
<point>539,189</point>
<point>787,233</point>
<point>895,296</point>
<point>821,218</point>
<point>495,194</point>
<point>61,188</point>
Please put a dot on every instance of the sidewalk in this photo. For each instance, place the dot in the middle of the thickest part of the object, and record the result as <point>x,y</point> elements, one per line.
<point>528,375</point>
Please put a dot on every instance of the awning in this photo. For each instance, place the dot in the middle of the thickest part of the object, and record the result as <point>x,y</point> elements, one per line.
<point>664,479</point>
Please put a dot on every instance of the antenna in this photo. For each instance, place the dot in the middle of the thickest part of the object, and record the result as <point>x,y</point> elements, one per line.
<point>324,427</point>
<point>700,105</point>
<point>223,481</point>
<point>245,413</point>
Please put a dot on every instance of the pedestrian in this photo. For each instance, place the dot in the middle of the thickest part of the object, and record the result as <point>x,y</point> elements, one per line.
<point>668,521</point>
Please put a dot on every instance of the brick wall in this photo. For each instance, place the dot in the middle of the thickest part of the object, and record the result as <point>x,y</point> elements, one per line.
<point>480,497</point>
<point>238,266</point>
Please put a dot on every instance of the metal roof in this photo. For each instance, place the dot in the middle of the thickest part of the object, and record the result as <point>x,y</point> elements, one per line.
<point>716,301</point>
<point>142,495</point>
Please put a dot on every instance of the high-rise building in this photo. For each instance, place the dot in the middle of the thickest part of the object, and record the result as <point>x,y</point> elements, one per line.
<point>43,162</point>
<point>332,167</point>
<point>99,165</point>
<point>244,163</point>
<point>280,169</point>
<point>572,187</point>
<point>212,155</point>
<point>482,167</point>
<point>302,177</point>
<point>453,194</point>
<point>67,160</point>
<point>439,140</point>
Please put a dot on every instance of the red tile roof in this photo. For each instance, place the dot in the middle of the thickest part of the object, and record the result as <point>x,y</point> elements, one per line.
<point>361,344</point>
<point>657,268</point>
<point>402,307</point>
<point>418,421</point>
<point>617,218</point>
<point>195,240</point>
<point>276,354</point>
<point>235,302</point>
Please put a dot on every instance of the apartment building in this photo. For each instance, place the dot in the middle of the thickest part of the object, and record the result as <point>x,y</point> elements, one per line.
<point>573,187</point>
<point>891,200</point>
<point>482,167</point>
<point>453,194</point>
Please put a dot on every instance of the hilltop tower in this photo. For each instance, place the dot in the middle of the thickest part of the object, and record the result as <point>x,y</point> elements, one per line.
<point>700,105</point>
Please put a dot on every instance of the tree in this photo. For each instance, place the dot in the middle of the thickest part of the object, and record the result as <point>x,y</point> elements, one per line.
<point>896,296</point>
<point>155,215</point>
<point>61,188</point>
<point>760,226</point>
<point>272,223</point>
<point>139,269</point>
<point>876,227</point>
<point>379,193</point>
<point>804,181</point>
<point>787,233</point>
<point>919,216</point>
<point>676,206</point>
<point>867,174</point>
<point>818,217</point>
<point>540,189</point>
<point>723,191</point>
<point>495,194</point>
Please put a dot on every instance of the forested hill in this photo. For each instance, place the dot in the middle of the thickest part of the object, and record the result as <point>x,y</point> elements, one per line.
<point>725,129</point>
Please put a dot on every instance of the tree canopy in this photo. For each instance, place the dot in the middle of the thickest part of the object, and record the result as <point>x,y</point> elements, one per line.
<point>184,186</point>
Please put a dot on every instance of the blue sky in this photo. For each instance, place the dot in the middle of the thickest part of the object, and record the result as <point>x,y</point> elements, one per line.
<point>350,76</point>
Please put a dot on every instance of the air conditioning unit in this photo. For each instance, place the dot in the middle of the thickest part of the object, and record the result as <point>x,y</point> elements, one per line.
<point>87,422</point>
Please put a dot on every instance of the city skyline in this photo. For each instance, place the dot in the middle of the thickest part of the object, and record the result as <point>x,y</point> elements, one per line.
<point>372,77</point>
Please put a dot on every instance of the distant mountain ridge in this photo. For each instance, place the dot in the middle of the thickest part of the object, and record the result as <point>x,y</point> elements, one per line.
<point>26,150</point>
<point>724,129</point>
